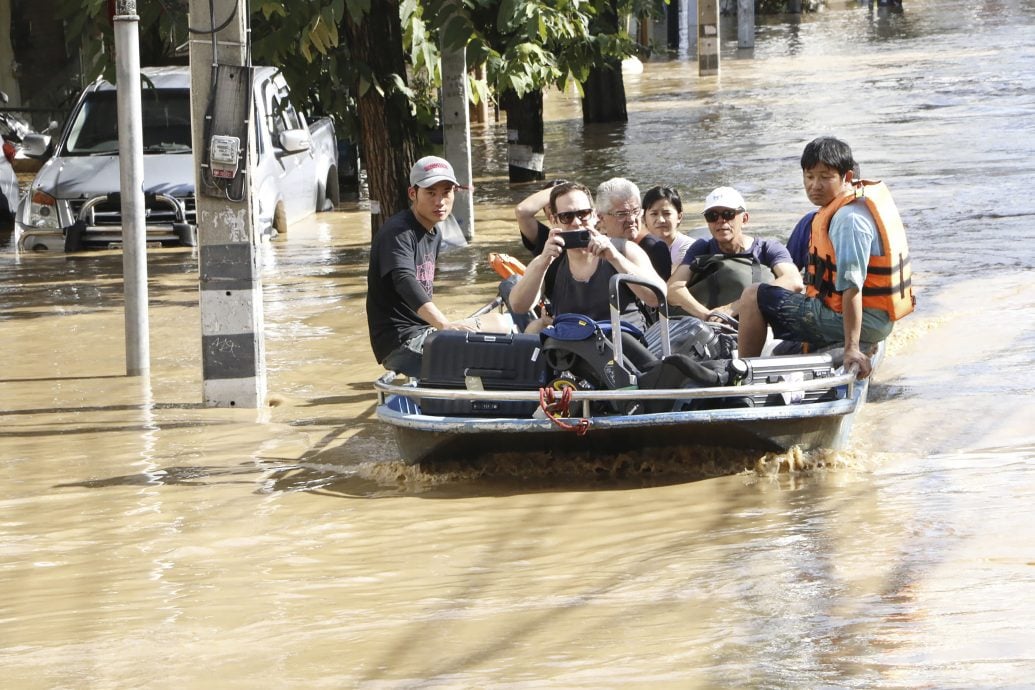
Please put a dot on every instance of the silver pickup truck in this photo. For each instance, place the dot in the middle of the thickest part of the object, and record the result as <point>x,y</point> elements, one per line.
<point>74,202</point>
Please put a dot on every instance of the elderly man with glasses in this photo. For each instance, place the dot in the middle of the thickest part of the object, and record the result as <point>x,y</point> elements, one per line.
<point>715,272</point>
<point>618,205</point>
<point>577,262</point>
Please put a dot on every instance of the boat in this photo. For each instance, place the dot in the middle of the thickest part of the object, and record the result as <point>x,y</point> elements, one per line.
<point>771,403</point>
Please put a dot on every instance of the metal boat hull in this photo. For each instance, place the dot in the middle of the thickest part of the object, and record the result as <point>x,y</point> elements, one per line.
<point>425,438</point>
<point>795,400</point>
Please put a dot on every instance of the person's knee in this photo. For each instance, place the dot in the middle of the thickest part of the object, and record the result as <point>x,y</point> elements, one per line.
<point>403,362</point>
<point>748,303</point>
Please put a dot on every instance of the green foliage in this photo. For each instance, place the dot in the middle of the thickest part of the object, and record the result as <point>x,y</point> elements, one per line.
<point>524,45</point>
<point>425,68</point>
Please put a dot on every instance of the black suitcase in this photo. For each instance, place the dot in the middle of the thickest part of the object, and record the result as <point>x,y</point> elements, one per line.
<point>491,361</point>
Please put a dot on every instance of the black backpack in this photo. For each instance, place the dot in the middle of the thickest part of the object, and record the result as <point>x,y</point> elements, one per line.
<point>683,371</point>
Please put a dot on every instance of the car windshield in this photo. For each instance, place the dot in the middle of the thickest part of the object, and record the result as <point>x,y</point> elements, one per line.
<point>166,123</point>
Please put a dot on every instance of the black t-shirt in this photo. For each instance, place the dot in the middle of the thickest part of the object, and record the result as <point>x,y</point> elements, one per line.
<point>542,234</point>
<point>399,281</point>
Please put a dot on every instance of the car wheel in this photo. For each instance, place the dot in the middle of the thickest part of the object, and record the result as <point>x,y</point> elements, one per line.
<point>280,220</point>
<point>6,217</point>
<point>186,233</point>
<point>74,237</point>
<point>331,197</point>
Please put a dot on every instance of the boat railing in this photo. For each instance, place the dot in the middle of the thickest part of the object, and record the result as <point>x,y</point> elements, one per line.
<point>411,389</point>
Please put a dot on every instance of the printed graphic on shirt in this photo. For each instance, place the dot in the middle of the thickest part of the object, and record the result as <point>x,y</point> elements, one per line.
<point>426,275</point>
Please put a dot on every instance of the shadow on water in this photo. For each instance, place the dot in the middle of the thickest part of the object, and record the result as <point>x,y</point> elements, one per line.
<point>773,584</point>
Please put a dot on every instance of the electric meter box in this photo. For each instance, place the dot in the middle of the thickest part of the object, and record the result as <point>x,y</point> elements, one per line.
<point>224,156</point>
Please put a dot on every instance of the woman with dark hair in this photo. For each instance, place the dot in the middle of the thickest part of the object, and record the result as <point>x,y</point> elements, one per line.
<point>663,212</point>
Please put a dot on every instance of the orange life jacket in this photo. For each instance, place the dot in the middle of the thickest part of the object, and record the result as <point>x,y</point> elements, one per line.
<point>889,279</point>
<point>505,265</point>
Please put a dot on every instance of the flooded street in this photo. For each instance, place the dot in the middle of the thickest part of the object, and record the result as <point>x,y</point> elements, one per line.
<point>149,542</point>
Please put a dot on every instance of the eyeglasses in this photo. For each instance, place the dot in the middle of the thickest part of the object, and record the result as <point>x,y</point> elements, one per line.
<point>626,215</point>
<point>728,214</point>
<point>568,217</point>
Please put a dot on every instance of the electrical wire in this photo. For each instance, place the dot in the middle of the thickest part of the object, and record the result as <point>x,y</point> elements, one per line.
<point>212,20</point>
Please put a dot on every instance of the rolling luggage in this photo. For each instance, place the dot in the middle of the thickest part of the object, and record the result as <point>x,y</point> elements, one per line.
<point>792,368</point>
<point>486,361</point>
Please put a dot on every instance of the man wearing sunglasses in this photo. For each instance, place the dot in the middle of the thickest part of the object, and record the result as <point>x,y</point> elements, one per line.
<point>618,205</point>
<point>575,279</point>
<point>715,272</point>
<point>400,310</point>
<point>533,232</point>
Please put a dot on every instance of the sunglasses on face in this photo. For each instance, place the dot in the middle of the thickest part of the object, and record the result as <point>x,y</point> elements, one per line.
<point>728,214</point>
<point>568,217</point>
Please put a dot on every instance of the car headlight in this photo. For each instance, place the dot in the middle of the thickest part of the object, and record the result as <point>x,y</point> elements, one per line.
<point>43,211</point>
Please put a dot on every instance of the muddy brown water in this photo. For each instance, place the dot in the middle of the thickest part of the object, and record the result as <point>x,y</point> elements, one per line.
<point>149,542</point>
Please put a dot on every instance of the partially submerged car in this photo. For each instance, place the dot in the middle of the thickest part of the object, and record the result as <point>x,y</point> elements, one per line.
<point>8,187</point>
<point>8,178</point>
<point>74,201</point>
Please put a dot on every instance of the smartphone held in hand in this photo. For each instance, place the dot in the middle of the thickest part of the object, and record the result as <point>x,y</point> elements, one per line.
<point>574,239</point>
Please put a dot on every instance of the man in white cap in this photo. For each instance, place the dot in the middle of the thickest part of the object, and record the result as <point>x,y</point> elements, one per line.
<point>400,310</point>
<point>714,272</point>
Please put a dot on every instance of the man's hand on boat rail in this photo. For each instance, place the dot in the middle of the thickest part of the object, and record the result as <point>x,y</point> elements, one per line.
<point>855,356</point>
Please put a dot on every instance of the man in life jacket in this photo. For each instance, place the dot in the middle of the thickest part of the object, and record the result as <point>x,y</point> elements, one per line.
<point>798,241</point>
<point>857,278</point>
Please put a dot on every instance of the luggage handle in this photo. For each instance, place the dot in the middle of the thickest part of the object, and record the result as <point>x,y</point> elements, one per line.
<point>492,373</point>
<point>616,309</point>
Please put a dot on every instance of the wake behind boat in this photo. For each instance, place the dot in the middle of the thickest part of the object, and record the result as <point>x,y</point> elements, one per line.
<point>482,393</point>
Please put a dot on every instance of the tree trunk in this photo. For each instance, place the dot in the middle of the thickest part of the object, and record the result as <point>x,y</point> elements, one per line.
<point>674,12</point>
<point>604,99</point>
<point>389,134</point>
<point>8,81</point>
<point>525,150</point>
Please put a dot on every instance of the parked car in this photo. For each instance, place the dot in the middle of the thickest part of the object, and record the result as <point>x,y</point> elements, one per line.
<point>74,202</point>
<point>8,188</point>
<point>8,180</point>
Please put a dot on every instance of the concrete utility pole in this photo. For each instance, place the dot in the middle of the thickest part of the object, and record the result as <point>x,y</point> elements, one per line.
<point>687,28</point>
<point>232,347</point>
<point>708,38</point>
<point>745,23</point>
<point>456,133</point>
<point>131,186</point>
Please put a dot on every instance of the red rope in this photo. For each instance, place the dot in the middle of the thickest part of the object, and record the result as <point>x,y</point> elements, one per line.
<point>555,408</point>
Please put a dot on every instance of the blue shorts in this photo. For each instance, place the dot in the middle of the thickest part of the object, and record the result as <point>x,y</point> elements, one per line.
<point>794,316</point>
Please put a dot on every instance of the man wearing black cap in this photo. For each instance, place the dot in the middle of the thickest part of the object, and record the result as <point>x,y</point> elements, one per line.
<point>400,310</point>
